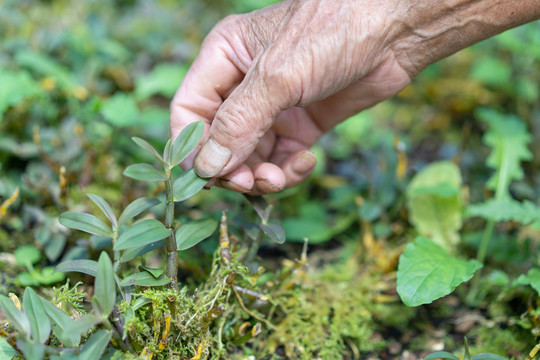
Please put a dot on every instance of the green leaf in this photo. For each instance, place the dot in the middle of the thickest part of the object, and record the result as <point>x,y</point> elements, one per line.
<point>532,278</point>
<point>155,272</point>
<point>27,254</point>
<point>434,203</point>
<point>104,287</point>
<point>39,321</point>
<point>142,233</point>
<point>274,231</point>
<point>491,71</point>
<point>104,206</point>
<point>85,222</point>
<point>186,141</point>
<point>508,139</point>
<point>487,356</point>
<point>132,253</point>
<point>83,266</point>
<point>505,209</point>
<point>45,65</point>
<point>194,232</point>
<point>94,348</point>
<point>187,185</point>
<point>6,351</point>
<point>120,110</point>
<point>162,80</point>
<point>53,248</point>
<point>31,350</point>
<point>140,302</point>
<point>83,324</point>
<point>427,272</point>
<point>149,148</point>
<point>144,279</point>
<point>60,323</point>
<point>15,316</point>
<point>16,86</point>
<point>167,151</point>
<point>137,207</point>
<point>441,355</point>
<point>144,172</point>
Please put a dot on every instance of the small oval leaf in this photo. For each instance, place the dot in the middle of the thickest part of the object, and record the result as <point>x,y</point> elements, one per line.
<point>85,222</point>
<point>60,321</point>
<point>142,233</point>
<point>132,253</point>
<point>104,287</point>
<point>187,185</point>
<point>441,355</point>
<point>144,279</point>
<point>192,233</point>
<point>15,316</point>
<point>83,266</point>
<point>104,206</point>
<point>487,356</point>
<point>137,207</point>
<point>39,321</point>
<point>149,148</point>
<point>274,231</point>
<point>94,348</point>
<point>186,141</point>
<point>144,172</point>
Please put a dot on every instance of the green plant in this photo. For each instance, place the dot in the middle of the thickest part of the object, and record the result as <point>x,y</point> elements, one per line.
<point>466,356</point>
<point>428,269</point>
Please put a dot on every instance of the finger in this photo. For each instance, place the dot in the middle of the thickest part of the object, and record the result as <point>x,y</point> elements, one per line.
<point>246,116</point>
<point>298,167</point>
<point>240,180</point>
<point>216,71</point>
<point>269,178</point>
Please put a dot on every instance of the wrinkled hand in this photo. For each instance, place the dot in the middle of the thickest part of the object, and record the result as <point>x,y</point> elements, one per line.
<point>268,84</point>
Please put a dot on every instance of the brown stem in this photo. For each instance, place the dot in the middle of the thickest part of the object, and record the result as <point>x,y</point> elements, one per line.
<point>170,244</point>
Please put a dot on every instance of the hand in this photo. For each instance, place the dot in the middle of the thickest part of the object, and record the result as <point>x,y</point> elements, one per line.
<point>268,84</point>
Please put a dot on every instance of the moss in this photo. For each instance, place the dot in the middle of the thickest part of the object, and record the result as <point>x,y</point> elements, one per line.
<point>503,342</point>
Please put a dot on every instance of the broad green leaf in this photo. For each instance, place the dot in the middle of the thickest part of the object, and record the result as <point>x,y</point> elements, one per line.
<point>441,355</point>
<point>434,203</point>
<point>487,356</point>
<point>140,302</point>
<point>194,232</point>
<point>85,222</point>
<point>104,287</point>
<point>532,278</point>
<point>144,172</point>
<point>32,350</point>
<point>94,348</point>
<point>274,231</point>
<point>142,233</point>
<point>162,80</point>
<point>508,138</point>
<point>60,322</point>
<point>6,351</point>
<point>15,316</point>
<point>505,209</point>
<point>53,248</point>
<point>186,141</point>
<point>120,110</point>
<point>83,266</point>
<point>427,272</point>
<point>155,272</point>
<point>137,207</point>
<point>132,253</point>
<point>39,321</point>
<point>144,278</point>
<point>143,144</point>
<point>16,86</point>
<point>187,185</point>
<point>27,254</point>
<point>104,206</point>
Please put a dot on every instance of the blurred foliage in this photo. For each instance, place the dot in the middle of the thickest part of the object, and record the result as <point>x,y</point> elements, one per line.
<point>78,79</point>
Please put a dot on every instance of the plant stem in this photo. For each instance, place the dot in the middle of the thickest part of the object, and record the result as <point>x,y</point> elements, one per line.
<point>170,244</point>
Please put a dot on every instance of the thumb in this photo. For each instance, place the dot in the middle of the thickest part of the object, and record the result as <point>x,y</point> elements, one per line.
<point>243,118</point>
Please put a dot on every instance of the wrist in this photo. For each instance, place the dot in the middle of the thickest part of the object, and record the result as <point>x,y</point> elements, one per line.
<point>424,31</point>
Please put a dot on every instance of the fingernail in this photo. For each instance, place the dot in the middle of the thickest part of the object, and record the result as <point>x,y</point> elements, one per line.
<point>211,159</point>
<point>265,186</point>
<point>304,163</point>
<point>228,184</point>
